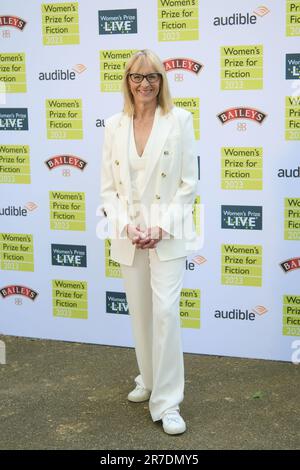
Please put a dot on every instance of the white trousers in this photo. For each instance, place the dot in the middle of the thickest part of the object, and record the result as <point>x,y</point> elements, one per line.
<point>153,292</point>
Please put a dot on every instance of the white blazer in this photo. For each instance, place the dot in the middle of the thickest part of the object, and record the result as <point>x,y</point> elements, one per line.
<point>169,186</point>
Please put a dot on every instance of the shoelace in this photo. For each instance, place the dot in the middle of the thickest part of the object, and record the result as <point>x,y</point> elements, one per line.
<point>172,416</point>
<point>140,387</point>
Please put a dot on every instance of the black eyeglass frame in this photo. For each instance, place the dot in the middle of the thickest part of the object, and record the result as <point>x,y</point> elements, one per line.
<point>145,76</point>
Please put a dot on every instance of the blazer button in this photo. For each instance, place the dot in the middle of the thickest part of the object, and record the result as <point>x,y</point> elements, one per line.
<point>117,162</point>
<point>120,182</point>
<point>117,194</point>
<point>157,196</point>
<point>166,152</point>
<point>163,175</point>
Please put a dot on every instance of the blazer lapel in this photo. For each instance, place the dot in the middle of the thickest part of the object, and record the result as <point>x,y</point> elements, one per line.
<point>162,125</point>
<point>122,143</point>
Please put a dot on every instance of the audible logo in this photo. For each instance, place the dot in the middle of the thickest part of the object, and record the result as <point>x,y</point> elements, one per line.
<point>240,19</point>
<point>289,172</point>
<point>239,314</point>
<point>62,75</point>
<point>13,211</point>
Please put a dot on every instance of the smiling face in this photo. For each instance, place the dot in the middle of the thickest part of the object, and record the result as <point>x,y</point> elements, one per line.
<point>144,92</point>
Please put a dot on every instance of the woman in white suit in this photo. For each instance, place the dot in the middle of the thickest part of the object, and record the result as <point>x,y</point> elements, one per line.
<point>148,187</point>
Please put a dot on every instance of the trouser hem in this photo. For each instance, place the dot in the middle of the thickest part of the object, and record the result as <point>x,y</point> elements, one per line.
<point>158,417</point>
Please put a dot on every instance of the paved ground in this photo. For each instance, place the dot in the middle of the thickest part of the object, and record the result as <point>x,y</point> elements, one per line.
<point>59,395</point>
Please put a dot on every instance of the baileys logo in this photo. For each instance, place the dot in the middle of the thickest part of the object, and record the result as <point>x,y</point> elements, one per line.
<point>18,290</point>
<point>290,264</point>
<point>241,113</point>
<point>13,21</point>
<point>70,160</point>
<point>189,65</point>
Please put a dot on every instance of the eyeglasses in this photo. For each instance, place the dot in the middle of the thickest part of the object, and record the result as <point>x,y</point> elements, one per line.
<point>150,77</point>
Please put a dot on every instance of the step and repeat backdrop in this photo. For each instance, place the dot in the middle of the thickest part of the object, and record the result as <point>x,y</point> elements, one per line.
<point>236,67</point>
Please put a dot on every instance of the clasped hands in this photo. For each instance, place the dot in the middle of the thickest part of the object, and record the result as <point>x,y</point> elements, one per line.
<point>145,238</point>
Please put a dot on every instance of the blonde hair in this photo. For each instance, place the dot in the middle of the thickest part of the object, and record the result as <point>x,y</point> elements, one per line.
<point>138,59</point>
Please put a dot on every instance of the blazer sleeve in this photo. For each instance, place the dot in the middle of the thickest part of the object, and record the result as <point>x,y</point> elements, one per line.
<point>112,206</point>
<point>179,210</point>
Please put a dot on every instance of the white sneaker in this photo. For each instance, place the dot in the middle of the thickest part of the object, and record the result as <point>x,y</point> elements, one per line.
<point>139,394</point>
<point>173,423</point>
